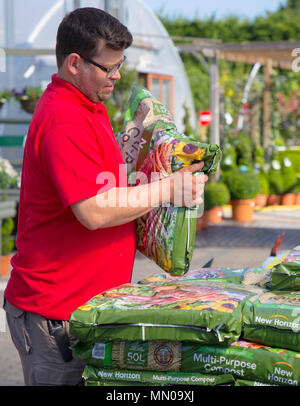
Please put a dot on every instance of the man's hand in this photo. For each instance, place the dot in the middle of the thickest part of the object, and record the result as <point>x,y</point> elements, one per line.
<point>186,189</point>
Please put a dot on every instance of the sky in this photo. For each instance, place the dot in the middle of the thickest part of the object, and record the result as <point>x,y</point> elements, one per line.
<point>205,8</point>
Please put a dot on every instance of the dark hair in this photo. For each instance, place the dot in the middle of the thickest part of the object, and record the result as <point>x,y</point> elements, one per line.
<point>81,29</point>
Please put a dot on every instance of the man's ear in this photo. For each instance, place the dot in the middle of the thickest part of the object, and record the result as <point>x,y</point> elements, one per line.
<point>73,62</point>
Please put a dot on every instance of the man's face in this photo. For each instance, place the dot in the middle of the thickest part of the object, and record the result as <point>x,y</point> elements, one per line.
<point>93,82</point>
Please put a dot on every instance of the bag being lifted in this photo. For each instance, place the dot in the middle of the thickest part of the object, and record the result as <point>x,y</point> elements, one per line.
<point>152,149</point>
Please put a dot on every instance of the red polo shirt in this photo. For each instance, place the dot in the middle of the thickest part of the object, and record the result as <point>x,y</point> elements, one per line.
<point>59,263</point>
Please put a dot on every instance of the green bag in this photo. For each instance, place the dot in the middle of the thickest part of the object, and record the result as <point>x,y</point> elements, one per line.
<point>151,144</point>
<point>245,276</point>
<point>242,359</point>
<point>286,274</point>
<point>245,382</point>
<point>165,378</point>
<point>273,318</point>
<point>196,311</point>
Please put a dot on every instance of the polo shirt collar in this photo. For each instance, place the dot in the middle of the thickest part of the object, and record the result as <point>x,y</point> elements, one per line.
<point>70,92</point>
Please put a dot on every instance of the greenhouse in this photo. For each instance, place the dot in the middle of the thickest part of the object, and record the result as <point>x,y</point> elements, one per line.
<point>28,61</point>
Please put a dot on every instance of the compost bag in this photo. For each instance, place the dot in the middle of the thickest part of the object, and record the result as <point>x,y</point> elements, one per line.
<point>286,274</point>
<point>152,149</point>
<point>242,359</point>
<point>245,276</point>
<point>192,311</point>
<point>91,373</point>
<point>273,318</point>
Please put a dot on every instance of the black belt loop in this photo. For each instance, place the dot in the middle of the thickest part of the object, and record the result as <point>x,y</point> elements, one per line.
<point>57,331</point>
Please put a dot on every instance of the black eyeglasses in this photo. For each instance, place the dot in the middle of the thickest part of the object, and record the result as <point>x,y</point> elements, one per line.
<point>110,71</point>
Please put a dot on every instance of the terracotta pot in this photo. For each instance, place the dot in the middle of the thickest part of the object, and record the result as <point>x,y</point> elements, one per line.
<point>29,105</point>
<point>297,198</point>
<point>273,200</point>
<point>261,200</point>
<point>288,199</point>
<point>215,214</point>
<point>202,222</point>
<point>243,209</point>
<point>5,265</point>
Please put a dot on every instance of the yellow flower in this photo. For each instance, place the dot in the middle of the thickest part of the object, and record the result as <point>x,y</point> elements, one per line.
<point>187,153</point>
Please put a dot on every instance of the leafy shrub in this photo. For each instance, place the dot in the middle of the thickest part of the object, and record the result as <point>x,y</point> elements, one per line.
<point>215,194</point>
<point>289,176</point>
<point>275,178</point>
<point>7,241</point>
<point>243,183</point>
<point>244,149</point>
<point>229,157</point>
<point>264,188</point>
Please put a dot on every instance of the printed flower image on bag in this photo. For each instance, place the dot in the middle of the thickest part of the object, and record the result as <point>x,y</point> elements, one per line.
<point>150,144</point>
<point>286,274</point>
<point>273,319</point>
<point>245,276</point>
<point>196,311</point>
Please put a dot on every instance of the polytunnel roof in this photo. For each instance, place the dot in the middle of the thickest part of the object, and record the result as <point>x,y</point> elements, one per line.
<point>32,24</point>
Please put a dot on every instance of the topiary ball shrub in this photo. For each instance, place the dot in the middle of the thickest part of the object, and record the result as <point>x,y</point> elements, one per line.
<point>264,188</point>
<point>243,183</point>
<point>215,194</point>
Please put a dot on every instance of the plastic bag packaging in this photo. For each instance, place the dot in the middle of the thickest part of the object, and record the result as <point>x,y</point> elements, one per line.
<point>91,373</point>
<point>245,382</point>
<point>152,149</point>
<point>273,318</point>
<point>286,274</point>
<point>242,359</point>
<point>194,311</point>
<point>246,276</point>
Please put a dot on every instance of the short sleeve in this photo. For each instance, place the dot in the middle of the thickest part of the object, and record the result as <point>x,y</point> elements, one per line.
<point>71,157</point>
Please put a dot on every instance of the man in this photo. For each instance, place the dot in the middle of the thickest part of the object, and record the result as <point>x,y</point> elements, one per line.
<point>70,247</point>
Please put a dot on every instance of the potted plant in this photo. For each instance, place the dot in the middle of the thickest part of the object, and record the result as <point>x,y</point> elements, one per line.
<point>275,183</point>
<point>296,191</point>
<point>29,97</point>
<point>7,245</point>
<point>5,96</point>
<point>289,177</point>
<point>243,184</point>
<point>216,195</point>
<point>263,191</point>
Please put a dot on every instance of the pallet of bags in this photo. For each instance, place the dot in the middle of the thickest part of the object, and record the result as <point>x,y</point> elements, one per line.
<point>204,312</point>
<point>242,360</point>
<point>152,149</point>
<point>245,276</point>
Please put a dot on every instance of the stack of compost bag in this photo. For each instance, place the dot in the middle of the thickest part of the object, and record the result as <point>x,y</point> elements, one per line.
<point>220,326</point>
<point>158,319</point>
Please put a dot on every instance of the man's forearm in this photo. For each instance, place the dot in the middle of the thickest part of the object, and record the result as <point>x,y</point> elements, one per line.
<point>121,205</point>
